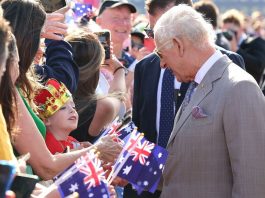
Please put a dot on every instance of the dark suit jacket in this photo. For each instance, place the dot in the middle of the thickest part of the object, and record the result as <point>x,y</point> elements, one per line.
<point>253,51</point>
<point>146,77</point>
<point>147,73</point>
<point>236,58</point>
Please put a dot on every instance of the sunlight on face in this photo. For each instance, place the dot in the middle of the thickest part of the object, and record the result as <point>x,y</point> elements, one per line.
<point>65,119</point>
<point>118,21</point>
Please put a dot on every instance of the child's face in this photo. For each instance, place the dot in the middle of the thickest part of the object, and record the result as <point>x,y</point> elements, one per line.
<point>65,119</point>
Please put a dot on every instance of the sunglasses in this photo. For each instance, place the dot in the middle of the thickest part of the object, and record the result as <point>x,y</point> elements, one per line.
<point>149,32</point>
<point>157,50</point>
<point>136,45</point>
<point>158,53</point>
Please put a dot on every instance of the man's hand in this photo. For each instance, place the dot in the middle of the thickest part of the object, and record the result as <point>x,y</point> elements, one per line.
<point>85,144</point>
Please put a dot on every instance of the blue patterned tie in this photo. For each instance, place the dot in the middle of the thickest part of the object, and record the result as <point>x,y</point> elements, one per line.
<point>167,108</point>
<point>188,95</point>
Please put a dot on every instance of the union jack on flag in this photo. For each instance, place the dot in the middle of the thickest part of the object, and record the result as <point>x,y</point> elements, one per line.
<point>132,142</point>
<point>93,171</point>
<point>113,127</point>
<point>86,177</point>
<point>111,130</point>
<point>142,151</point>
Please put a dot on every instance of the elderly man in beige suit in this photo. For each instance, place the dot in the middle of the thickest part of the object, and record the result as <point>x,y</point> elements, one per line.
<point>217,147</point>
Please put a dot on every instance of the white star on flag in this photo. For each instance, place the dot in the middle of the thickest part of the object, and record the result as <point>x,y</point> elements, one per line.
<point>159,155</point>
<point>147,163</point>
<point>126,170</point>
<point>73,188</point>
<point>128,129</point>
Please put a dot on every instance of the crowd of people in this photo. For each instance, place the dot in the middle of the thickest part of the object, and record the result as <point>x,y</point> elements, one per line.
<point>190,78</point>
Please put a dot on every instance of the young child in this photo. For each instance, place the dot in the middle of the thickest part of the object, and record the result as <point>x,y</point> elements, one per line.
<point>57,110</point>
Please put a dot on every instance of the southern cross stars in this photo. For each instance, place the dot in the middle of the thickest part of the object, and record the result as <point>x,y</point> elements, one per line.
<point>74,187</point>
<point>127,170</point>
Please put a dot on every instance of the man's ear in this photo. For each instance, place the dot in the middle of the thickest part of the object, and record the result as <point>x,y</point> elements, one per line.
<point>47,121</point>
<point>179,45</point>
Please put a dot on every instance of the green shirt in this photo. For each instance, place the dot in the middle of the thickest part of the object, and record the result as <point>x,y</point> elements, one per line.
<point>37,120</point>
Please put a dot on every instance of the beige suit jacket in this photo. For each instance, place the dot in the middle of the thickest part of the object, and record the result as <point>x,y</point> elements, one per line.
<point>222,155</point>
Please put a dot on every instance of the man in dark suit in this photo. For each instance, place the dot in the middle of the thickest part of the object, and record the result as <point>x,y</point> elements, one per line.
<point>148,105</point>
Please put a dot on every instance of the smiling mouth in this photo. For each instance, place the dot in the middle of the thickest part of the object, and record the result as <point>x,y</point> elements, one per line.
<point>123,32</point>
<point>72,118</point>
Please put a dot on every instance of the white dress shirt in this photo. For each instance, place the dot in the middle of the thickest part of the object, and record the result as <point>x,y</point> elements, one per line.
<point>207,66</point>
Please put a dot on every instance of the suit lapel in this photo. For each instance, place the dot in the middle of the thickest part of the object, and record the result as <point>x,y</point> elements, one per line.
<point>203,89</point>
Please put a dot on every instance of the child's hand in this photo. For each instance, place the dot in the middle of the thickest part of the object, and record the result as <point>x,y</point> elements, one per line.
<point>119,182</point>
<point>85,144</point>
<point>108,148</point>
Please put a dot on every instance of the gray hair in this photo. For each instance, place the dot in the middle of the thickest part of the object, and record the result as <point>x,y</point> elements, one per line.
<point>183,21</point>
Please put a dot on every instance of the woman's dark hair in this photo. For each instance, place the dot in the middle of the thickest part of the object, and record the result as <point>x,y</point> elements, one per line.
<point>88,54</point>
<point>26,18</point>
<point>7,88</point>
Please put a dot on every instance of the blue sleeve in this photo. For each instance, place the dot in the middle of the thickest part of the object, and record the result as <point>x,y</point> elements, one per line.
<point>235,57</point>
<point>59,64</point>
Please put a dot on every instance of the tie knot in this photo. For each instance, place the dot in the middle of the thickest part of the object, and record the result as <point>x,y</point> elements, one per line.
<point>188,95</point>
<point>191,89</point>
<point>193,84</point>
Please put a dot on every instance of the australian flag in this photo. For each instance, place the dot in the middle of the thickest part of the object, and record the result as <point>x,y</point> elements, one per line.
<point>85,177</point>
<point>126,130</point>
<point>81,9</point>
<point>141,163</point>
<point>111,129</point>
<point>123,132</point>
